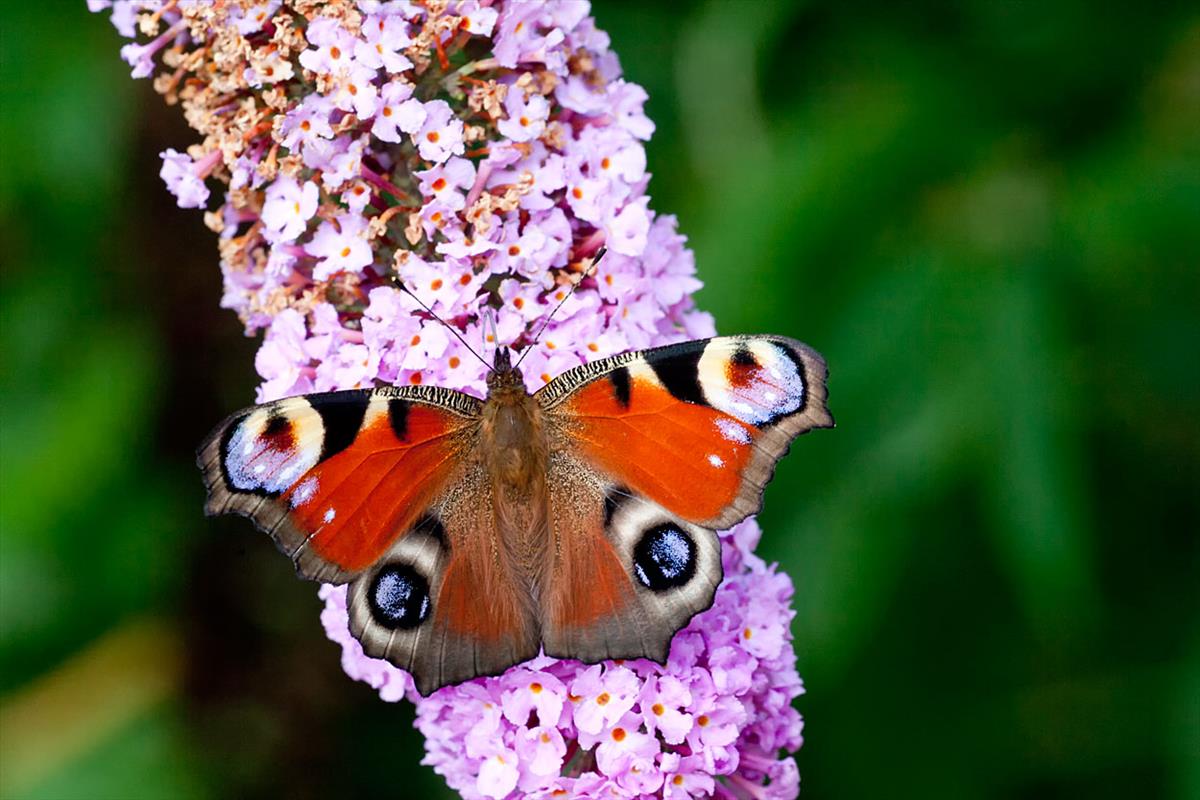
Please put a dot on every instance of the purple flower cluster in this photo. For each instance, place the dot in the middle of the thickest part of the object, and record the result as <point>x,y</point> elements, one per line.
<point>478,153</point>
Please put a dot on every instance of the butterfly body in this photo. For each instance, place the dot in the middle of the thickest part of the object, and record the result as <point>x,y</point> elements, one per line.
<point>578,520</point>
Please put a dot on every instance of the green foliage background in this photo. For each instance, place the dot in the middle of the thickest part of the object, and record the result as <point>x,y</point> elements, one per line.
<point>987,217</point>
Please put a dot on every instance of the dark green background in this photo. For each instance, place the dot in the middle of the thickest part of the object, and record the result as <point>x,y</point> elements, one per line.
<point>985,214</point>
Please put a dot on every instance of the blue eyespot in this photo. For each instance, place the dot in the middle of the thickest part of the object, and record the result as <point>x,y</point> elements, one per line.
<point>664,558</point>
<point>399,597</point>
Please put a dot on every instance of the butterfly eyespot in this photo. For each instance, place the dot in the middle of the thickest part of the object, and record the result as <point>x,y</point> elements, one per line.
<point>399,597</point>
<point>664,558</point>
<point>269,449</point>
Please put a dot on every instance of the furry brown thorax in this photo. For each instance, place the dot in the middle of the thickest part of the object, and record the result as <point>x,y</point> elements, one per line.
<point>514,439</point>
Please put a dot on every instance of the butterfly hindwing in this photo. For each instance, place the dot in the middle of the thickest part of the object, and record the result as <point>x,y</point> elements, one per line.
<point>335,477</point>
<point>627,574</point>
<point>695,427</point>
<point>437,603</point>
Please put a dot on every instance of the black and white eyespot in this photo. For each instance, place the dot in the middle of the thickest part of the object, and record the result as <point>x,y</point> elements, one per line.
<point>399,597</point>
<point>393,605</point>
<point>664,557</point>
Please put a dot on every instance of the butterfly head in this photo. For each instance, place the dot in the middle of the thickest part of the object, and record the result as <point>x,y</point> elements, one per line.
<point>502,361</point>
<point>504,377</point>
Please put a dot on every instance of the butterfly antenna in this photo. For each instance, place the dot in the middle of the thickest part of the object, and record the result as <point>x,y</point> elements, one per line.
<point>400,285</point>
<point>575,285</point>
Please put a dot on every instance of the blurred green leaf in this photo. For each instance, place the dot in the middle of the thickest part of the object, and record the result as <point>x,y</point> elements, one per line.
<point>148,760</point>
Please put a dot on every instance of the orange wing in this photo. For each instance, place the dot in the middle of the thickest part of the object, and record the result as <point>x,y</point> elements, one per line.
<point>695,427</point>
<point>335,478</point>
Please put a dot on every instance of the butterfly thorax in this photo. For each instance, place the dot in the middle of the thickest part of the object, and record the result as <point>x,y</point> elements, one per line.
<point>513,439</point>
<point>513,443</point>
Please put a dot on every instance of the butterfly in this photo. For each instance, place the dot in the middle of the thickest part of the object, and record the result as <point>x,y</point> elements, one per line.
<point>579,520</point>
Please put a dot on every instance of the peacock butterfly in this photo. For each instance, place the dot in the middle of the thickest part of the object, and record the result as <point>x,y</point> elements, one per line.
<point>579,519</point>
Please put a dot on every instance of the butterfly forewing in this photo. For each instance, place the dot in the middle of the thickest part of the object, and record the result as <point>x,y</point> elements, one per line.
<point>335,477</point>
<point>696,427</point>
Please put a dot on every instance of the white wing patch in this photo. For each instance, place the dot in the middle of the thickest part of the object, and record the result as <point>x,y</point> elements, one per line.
<point>732,431</point>
<point>304,492</point>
